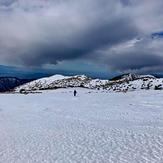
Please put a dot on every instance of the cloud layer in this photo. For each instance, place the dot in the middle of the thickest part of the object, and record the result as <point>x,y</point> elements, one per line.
<point>108,32</point>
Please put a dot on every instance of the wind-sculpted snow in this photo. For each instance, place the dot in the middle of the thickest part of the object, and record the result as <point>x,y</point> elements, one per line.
<point>123,83</point>
<point>95,126</point>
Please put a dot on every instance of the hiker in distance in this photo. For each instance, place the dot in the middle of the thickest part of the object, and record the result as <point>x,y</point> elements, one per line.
<point>75,92</point>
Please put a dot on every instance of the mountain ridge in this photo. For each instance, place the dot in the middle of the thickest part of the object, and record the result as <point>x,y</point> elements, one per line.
<point>123,83</point>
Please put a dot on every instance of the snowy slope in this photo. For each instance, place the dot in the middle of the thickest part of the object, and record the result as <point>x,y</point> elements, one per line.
<point>59,81</point>
<point>48,80</point>
<point>137,84</point>
<point>95,126</point>
<point>127,82</point>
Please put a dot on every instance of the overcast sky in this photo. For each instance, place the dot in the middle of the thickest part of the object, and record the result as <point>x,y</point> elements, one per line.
<point>83,35</point>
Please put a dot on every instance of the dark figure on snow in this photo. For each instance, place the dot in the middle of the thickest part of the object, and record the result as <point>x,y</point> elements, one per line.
<point>75,92</point>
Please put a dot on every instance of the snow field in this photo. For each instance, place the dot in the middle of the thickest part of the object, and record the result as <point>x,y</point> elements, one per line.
<point>93,127</point>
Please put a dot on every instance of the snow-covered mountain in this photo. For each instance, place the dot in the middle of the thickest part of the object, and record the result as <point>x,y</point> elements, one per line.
<point>123,83</point>
<point>131,77</point>
<point>60,81</point>
<point>130,82</point>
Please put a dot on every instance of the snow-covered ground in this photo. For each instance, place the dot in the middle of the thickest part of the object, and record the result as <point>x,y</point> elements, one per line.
<point>94,127</point>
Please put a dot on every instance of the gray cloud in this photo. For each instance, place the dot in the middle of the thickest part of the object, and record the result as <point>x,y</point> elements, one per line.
<point>135,55</point>
<point>42,32</point>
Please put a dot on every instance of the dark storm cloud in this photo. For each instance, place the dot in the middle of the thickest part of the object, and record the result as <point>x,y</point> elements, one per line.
<point>141,61</point>
<point>80,45</point>
<point>61,31</point>
<point>39,32</point>
<point>138,55</point>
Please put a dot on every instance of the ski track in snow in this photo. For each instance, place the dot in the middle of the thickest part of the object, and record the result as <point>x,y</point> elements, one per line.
<point>94,127</point>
